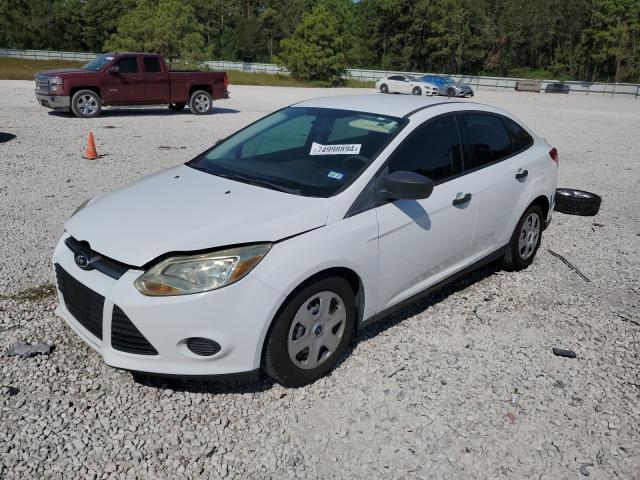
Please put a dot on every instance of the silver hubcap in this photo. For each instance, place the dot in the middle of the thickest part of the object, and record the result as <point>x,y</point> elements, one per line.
<point>202,103</point>
<point>87,104</point>
<point>529,236</point>
<point>316,330</point>
<point>575,193</point>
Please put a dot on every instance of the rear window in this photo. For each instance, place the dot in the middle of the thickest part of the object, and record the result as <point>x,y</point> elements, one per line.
<point>306,151</point>
<point>521,138</point>
<point>488,139</point>
<point>152,64</point>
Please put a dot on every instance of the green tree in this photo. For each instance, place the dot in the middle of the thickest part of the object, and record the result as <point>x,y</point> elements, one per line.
<point>168,27</point>
<point>320,46</point>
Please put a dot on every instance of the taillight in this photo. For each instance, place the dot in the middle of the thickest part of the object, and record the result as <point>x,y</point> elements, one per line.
<point>553,153</point>
<point>226,81</point>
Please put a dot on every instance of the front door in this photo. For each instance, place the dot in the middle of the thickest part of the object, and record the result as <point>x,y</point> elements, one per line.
<point>125,86</point>
<point>424,241</point>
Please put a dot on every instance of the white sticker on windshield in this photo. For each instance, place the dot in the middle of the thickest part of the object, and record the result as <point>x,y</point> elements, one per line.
<point>348,149</point>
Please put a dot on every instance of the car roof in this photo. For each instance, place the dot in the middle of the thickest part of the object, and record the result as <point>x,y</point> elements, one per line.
<point>391,105</point>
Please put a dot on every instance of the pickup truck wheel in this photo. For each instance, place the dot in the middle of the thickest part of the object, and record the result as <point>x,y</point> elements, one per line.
<point>86,104</point>
<point>176,107</point>
<point>200,102</point>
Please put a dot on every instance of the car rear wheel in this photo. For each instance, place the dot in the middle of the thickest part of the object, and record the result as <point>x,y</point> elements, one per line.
<point>86,104</point>
<point>417,91</point>
<point>176,107</point>
<point>384,88</point>
<point>311,333</point>
<point>200,102</point>
<point>525,240</point>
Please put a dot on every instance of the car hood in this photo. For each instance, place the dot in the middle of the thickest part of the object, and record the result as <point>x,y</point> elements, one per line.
<point>61,72</point>
<point>184,210</point>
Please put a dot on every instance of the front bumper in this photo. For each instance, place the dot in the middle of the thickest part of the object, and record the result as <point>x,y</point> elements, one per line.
<point>237,317</point>
<point>59,103</point>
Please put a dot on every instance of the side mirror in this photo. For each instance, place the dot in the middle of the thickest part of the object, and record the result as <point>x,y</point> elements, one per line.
<point>405,185</point>
<point>406,80</point>
<point>113,70</point>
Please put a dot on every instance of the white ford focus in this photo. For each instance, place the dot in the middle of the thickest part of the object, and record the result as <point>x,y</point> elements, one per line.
<point>270,250</point>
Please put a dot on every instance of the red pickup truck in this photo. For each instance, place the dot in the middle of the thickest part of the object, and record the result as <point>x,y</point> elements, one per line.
<point>128,79</point>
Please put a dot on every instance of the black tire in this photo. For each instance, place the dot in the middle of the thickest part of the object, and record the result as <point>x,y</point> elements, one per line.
<point>451,92</point>
<point>200,102</point>
<point>277,362</point>
<point>86,104</point>
<point>176,107</point>
<point>417,91</point>
<point>514,258</point>
<point>577,202</point>
<point>384,88</point>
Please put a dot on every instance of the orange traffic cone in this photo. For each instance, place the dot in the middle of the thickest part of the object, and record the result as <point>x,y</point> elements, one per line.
<point>90,153</point>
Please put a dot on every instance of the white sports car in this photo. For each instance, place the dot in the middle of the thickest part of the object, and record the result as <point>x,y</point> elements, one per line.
<point>406,84</point>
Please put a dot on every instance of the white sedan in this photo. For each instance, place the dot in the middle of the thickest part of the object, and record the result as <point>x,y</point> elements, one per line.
<point>406,84</point>
<point>270,250</point>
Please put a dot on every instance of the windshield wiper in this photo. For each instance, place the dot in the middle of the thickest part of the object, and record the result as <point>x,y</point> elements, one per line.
<point>260,183</point>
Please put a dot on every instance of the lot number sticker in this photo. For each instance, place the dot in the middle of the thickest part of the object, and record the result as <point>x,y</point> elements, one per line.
<point>350,149</point>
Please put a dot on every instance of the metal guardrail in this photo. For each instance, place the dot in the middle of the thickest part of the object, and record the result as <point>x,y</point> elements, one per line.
<point>477,82</point>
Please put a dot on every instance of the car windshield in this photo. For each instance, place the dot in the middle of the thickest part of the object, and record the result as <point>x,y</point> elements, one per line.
<point>448,80</point>
<point>305,151</point>
<point>412,78</point>
<point>97,63</point>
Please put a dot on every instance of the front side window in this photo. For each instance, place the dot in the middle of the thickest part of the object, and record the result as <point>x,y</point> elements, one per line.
<point>488,139</point>
<point>433,150</point>
<point>306,151</point>
<point>127,65</point>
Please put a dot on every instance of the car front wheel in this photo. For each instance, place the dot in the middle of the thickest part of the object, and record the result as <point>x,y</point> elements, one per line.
<point>311,333</point>
<point>86,104</point>
<point>417,91</point>
<point>525,240</point>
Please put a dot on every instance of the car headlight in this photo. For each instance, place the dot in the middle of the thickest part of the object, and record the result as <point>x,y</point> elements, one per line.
<point>55,84</point>
<point>185,275</point>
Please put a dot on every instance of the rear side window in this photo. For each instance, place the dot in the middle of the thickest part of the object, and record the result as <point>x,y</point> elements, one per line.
<point>521,138</point>
<point>152,64</point>
<point>127,65</point>
<point>488,139</point>
<point>397,77</point>
<point>432,150</point>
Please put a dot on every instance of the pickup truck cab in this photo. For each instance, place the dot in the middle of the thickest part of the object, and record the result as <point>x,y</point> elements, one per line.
<point>128,79</point>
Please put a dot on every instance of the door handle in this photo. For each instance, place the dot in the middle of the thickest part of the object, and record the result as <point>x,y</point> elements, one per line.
<point>521,174</point>
<point>461,198</point>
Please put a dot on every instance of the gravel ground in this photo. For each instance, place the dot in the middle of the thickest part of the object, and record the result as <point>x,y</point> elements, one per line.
<point>460,385</point>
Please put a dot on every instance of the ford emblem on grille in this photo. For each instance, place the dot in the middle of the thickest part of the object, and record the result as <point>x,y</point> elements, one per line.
<point>82,260</point>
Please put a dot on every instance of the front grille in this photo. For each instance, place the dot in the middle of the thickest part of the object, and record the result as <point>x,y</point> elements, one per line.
<point>109,267</point>
<point>42,84</point>
<point>83,303</point>
<point>126,337</point>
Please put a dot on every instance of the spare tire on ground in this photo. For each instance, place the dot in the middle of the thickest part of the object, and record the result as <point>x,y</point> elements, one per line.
<point>577,202</point>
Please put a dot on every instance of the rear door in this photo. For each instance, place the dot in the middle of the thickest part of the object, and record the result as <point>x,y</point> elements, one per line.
<point>396,83</point>
<point>124,87</point>
<point>155,80</point>
<point>499,166</point>
<point>424,241</point>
